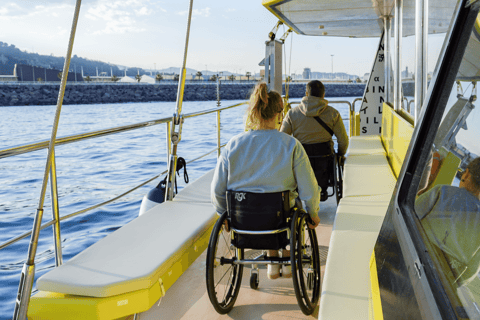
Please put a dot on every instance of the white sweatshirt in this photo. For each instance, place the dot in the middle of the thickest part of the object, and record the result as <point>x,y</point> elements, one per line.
<point>265,161</point>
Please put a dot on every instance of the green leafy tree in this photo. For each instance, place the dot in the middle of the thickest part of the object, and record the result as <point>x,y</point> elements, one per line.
<point>213,78</point>
<point>288,79</point>
<point>114,78</point>
<point>358,80</point>
<point>39,79</point>
<point>88,79</point>
<point>176,77</point>
<point>138,78</point>
<point>231,77</point>
<point>199,75</point>
<point>158,77</point>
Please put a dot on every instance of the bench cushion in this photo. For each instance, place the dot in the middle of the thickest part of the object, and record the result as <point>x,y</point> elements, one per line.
<point>346,280</point>
<point>364,145</point>
<point>133,257</point>
<point>366,175</point>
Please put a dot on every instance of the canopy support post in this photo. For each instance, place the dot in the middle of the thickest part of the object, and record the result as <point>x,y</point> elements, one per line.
<point>421,37</point>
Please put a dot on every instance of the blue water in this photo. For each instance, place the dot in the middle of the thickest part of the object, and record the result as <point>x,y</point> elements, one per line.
<point>93,171</point>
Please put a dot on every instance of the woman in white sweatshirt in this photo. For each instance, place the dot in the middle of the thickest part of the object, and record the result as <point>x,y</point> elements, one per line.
<point>264,160</point>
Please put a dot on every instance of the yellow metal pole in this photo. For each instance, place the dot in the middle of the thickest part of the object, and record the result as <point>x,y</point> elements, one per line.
<point>28,271</point>
<point>177,118</point>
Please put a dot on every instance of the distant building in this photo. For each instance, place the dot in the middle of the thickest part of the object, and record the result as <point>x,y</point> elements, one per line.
<point>5,78</point>
<point>147,79</point>
<point>127,79</point>
<point>307,73</point>
<point>101,78</point>
<point>25,72</point>
<point>406,74</point>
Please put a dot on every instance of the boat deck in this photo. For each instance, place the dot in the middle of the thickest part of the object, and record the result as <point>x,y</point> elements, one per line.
<point>274,299</point>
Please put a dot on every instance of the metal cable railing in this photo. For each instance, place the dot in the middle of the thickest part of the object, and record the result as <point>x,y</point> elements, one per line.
<point>99,133</point>
<point>13,151</point>
<point>71,215</point>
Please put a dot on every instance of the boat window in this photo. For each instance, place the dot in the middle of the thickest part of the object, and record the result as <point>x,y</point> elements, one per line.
<point>448,198</point>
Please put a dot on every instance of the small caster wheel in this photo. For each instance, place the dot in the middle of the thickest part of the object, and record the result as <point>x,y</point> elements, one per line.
<point>254,281</point>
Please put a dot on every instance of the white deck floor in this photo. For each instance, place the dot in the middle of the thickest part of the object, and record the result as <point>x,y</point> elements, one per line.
<point>274,299</point>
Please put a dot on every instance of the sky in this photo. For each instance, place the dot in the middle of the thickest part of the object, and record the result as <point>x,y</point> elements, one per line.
<point>225,36</point>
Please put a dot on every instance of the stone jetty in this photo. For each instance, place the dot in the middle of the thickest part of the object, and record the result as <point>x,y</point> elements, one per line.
<point>20,94</point>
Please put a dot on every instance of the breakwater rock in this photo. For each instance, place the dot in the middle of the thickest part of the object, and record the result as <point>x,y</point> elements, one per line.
<point>19,94</point>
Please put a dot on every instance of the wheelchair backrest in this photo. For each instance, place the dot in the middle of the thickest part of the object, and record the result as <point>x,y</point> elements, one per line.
<point>258,212</point>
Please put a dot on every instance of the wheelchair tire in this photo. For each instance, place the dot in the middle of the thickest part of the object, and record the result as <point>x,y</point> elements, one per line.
<point>337,179</point>
<point>223,279</point>
<point>254,281</point>
<point>305,259</point>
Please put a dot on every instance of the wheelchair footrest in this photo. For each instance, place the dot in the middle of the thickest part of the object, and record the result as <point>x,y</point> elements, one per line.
<point>268,260</point>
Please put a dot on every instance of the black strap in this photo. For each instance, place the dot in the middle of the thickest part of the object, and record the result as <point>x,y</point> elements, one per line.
<point>181,164</point>
<point>323,124</point>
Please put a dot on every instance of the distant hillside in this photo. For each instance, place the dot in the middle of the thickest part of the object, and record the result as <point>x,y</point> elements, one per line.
<point>10,55</point>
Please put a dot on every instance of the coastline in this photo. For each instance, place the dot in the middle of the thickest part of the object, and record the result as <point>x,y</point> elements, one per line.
<point>24,94</point>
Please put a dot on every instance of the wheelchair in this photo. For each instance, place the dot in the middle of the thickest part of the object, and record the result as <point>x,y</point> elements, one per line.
<point>261,221</point>
<point>328,168</point>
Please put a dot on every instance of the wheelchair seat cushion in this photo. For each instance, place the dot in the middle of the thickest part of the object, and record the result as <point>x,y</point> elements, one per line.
<point>258,212</point>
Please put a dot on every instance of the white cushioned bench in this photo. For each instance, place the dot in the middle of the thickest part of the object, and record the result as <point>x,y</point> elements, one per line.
<point>367,188</point>
<point>151,251</point>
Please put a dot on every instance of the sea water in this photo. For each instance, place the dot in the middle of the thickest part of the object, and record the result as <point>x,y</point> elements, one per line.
<point>93,171</point>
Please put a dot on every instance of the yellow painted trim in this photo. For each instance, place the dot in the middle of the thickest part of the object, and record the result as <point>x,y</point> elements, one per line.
<point>182,85</point>
<point>448,170</point>
<point>268,4</point>
<point>53,306</point>
<point>357,124</point>
<point>477,24</point>
<point>375,304</point>
<point>396,135</point>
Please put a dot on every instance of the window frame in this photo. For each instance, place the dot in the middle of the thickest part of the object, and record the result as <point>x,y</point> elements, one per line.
<point>427,283</point>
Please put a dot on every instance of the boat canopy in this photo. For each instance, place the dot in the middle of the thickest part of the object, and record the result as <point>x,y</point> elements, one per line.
<point>354,18</point>
<point>470,67</point>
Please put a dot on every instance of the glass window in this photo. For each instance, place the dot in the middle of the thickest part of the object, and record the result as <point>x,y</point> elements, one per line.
<point>448,199</point>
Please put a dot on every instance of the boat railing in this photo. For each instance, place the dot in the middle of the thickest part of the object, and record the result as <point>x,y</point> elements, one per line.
<point>14,151</point>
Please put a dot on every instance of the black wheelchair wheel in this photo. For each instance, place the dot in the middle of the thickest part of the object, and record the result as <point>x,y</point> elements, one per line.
<point>337,179</point>
<point>223,278</point>
<point>305,259</point>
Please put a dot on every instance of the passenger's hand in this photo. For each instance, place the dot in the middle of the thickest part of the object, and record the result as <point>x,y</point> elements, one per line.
<point>341,160</point>
<point>316,222</point>
<point>227,226</point>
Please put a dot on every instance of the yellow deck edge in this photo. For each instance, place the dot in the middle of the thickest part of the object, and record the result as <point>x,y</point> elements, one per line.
<point>53,306</point>
<point>396,135</point>
<point>375,304</point>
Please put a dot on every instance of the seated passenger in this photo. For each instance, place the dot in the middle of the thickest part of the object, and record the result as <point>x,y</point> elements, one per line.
<point>265,160</point>
<point>303,122</point>
<point>451,219</point>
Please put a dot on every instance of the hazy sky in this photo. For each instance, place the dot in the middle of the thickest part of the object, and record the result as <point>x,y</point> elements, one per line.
<point>225,35</point>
